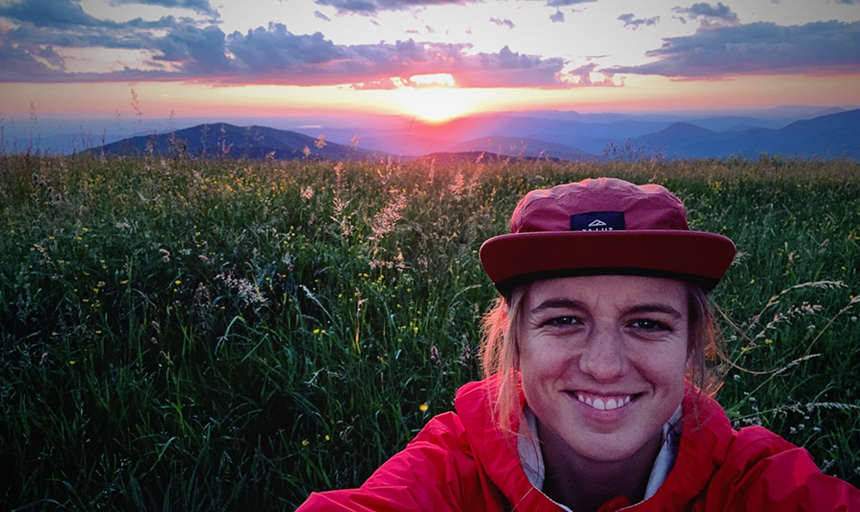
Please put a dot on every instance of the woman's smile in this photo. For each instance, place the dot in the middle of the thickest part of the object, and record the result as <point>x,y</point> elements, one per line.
<point>603,402</point>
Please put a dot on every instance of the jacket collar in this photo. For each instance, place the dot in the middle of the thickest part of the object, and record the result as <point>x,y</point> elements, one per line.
<point>705,439</point>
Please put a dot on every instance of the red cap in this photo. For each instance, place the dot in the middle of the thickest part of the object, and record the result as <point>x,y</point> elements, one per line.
<point>604,226</point>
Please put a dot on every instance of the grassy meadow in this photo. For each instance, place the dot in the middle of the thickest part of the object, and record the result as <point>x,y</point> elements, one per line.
<point>215,334</point>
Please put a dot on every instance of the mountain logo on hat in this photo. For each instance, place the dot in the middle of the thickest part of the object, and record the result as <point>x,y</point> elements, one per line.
<point>597,221</point>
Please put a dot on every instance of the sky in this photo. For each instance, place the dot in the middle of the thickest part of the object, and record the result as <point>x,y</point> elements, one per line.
<point>434,59</point>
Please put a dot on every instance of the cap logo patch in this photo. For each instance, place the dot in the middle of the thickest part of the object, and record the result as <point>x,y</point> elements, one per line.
<point>597,221</point>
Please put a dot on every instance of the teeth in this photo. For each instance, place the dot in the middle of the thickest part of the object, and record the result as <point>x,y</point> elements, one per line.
<point>601,405</point>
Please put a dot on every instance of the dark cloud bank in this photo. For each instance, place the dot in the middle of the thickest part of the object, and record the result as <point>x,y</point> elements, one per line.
<point>756,48</point>
<point>191,50</point>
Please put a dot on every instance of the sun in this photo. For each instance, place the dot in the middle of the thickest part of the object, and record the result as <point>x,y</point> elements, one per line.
<point>434,98</point>
<point>435,104</point>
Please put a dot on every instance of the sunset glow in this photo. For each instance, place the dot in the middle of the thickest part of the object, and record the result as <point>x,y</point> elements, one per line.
<point>436,103</point>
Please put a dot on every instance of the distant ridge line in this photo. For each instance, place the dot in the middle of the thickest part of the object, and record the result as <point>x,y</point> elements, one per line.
<point>831,136</point>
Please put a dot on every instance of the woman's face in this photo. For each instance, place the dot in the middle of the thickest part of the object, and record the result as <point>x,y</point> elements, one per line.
<point>603,360</point>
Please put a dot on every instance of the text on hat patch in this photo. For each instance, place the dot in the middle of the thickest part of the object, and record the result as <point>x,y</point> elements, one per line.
<point>597,221</point>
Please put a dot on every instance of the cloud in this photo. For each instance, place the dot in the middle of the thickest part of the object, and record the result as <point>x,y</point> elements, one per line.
<point>62,24</point>
<point>634,23</point>
<point>321,16</point>
<point>180,49</point>
<point>133,34</point>
<point>506,22</point>
<point>581,76</point>
<point>385,84</point>
<point>273,49</point>
<point>557,17</point>
<point>20,63</point>
<point>66,14</point>
<point>372,7</point>
<point>509,69</point>
<point>199,6</point>
<point>70,26</point>
<point>33,63</point>
<point>721,14</point>
<point>197,51</point>
<point>562,3</point>
<point>274,55</point>
<point>50,13</point>
<point>756,49</point>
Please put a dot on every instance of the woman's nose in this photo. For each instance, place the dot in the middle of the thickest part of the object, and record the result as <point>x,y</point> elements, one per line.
<point>603,357</point>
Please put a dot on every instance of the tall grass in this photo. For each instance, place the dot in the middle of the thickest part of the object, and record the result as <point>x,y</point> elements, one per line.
<point>222,334</point>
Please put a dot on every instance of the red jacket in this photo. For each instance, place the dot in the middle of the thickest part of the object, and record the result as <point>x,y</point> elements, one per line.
<point>461,462</point>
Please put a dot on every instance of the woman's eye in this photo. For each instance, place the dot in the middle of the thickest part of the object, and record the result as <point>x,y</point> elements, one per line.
<point>649,325</point>
<point>562,321</point>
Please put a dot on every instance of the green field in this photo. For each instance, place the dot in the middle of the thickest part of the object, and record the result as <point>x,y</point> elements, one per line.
<point>181,334</point>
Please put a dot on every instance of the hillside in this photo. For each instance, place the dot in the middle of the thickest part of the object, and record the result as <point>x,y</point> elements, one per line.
<point>828,137</point>
<point>248,142</point>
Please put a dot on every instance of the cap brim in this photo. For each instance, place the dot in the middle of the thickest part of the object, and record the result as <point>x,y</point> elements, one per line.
<point>694,256</point>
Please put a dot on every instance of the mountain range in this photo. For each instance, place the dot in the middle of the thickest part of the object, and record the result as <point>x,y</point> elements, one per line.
<point>792,132</point>
<point>827,137</point>
<point>541,132</point>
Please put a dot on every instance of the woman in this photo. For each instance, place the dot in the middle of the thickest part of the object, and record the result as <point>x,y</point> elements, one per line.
<point>595,356</point>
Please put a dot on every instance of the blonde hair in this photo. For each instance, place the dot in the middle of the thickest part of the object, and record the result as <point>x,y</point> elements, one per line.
<point>500,350</point>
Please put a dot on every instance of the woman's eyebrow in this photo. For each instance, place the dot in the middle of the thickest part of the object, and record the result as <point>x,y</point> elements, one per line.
<point>557,303</point>
<point>655,308</point>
